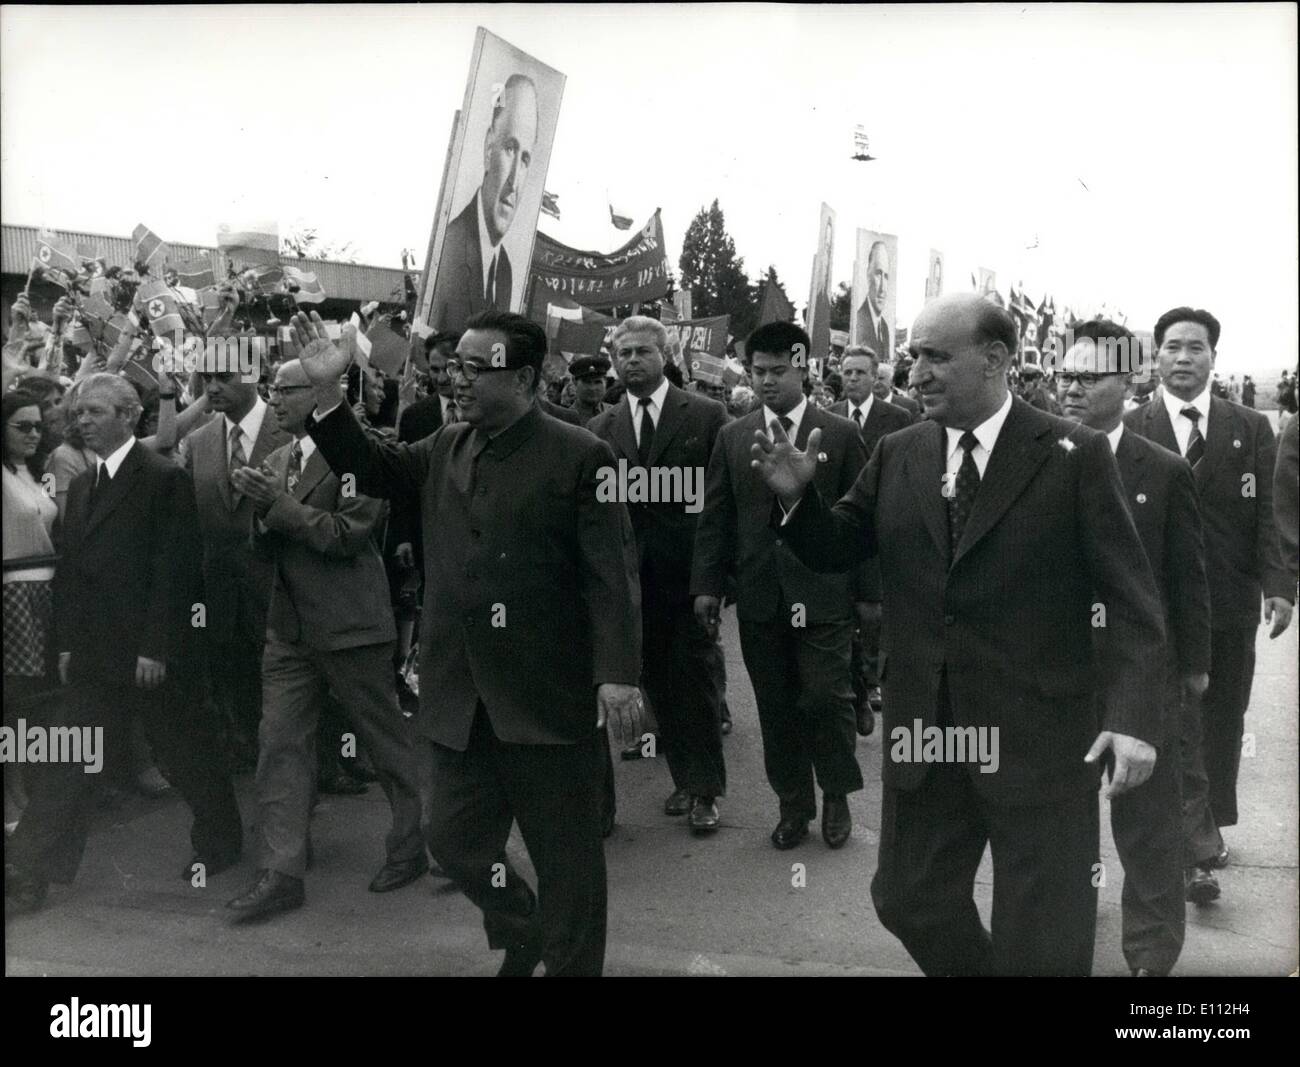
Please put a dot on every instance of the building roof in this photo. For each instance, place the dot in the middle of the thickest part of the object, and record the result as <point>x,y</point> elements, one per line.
<point>346,281</point>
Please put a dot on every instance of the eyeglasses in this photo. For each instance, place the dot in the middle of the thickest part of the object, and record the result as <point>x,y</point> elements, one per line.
<point>27,427</point>
<point>470,371</point>
<point>1086,380</point>
<point>285,390</point>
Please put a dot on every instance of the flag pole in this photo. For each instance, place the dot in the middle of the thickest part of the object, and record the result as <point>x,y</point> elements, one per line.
<point>27,289</point>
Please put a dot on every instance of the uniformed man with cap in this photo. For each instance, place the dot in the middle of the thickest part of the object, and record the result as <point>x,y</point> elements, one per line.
<point>590,379</point>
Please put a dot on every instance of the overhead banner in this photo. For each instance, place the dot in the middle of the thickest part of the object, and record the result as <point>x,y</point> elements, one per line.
<point>934,277</point>
<point>820,296</point>
<point>872,323</point>
<point>634,274</point>
<point>495,171</point>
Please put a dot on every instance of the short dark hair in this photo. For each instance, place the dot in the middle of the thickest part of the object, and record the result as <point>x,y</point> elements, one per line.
<point>1186,314</point>
<point>14,401</point>
<point>525,340</point>
<point>443,337</point>
<point>993,323</point>
<point>777,338</point>
<point>1108,336</point>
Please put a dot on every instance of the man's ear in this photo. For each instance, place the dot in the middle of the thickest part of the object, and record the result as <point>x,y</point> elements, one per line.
<point>997,357</point>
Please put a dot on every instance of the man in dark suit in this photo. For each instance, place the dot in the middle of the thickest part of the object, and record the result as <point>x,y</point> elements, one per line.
<point>530,637</point>
<point>1147,823</point>
<point>795,626</point>
<point>1232,453</point>
<point>668,431</point>
<point>237,585</point>
<point>474,271</point>
<point>1015,588</point>
<point>1286,490</point>
<point>874,328</point>
<point>330,630</point>
<point>128,615</point>
<point>874,418</point>
<point>439,408</point>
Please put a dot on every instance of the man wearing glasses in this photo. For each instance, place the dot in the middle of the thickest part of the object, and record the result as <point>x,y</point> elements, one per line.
<point>1092,383</point>
<point>530,636</point>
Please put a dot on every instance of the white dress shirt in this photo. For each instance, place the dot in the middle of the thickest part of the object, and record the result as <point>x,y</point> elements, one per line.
<point>488,252</point>
<point>864,407</point>
<point>307,447</point>
<point>1114,436</point>
<point>795,415</point>
<point>249,427</point>
<point>986,433</point>
<point>1182,424</point>
<point>114,459</point>
<point>655,408</point>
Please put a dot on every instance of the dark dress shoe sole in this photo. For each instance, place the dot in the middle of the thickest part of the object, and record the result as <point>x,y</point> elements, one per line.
<point>389,879</point>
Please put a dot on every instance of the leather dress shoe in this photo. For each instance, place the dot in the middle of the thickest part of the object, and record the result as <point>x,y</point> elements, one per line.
<point>790,831</point>
<point>270,894</point>
<point>211,864</point>
<point>1218,861</point>
<point>679,803</point>
<point>521,960</point>
<point>152,784</point>
<point>395,875</point>
<point>703,818</point>
<point>866,719</point>
<point>725,713</point>
<point>1202,886</point>
<point>837,823</point>
<point>341,784</point>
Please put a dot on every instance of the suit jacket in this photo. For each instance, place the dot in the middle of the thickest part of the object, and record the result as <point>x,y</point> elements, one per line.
<point>1161,497</point>
<point>459,291</point>
<point>329,590</point>
<point>1242,559</point>
<point>878,340</point>
<point>129,575</point>
<point>735,531</point>
<point>420,419</point>
<point>883,418</point>
<point>559,411</point>
<point>237,583</point>
<point>1286,490</point>
<point>531,597</point>
<point>899,400</point>
<point>665,532</point>
<point>1009,618</point>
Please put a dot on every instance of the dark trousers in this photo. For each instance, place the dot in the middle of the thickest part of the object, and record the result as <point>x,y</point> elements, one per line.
<point>1223,716</point>
<point>296,679</point>
<point>805,708</point>
<point>551,791</point>
<point>235,668</point>
<point>1201,838</point>
<point>679,677</point>
<point>1148,829</point>
<point>865,660</point>
<point>51,835</point>
<point>932,839</point>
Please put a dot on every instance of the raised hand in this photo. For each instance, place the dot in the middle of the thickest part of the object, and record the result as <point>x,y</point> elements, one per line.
<point>785,469</point>
<point>321,358</point>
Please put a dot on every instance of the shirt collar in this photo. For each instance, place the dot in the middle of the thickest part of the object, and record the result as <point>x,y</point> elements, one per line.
<point>306,445</point>
<point>1114,436</point>
<point>795,415</point>
<point>251,424</point>
<point>113,461</point>
<point>864,407</point>
<point>656,398</point>
<point>1175,406</point>
<point>484,240</point>
<point>986,433</point>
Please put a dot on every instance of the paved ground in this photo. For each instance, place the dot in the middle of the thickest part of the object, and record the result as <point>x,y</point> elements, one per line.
<point>678,905</point>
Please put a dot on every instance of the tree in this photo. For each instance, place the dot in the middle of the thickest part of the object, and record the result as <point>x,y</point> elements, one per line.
<point>715,274</point>
<point>773,301</point>
<point>841,306</point>
<point>305,242</point>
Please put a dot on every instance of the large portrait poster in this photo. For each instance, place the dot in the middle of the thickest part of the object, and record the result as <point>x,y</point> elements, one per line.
<point>482,240</point>
<point>986,281</point>
<point>874,299</point>
<point>934,277</point>
<point>820,296</point>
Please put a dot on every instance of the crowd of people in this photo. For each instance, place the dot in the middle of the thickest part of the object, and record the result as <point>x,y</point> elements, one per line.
<point>328,577</point>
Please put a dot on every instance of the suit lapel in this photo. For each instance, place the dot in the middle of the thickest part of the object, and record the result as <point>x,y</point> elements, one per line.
<point>1218,442</point>
<point>216,449</point>
<point>670,421</point>
<point>924,469</point>
<point>1021,448</point>
<point>118,488</point>
<point>1159,428</point>
<point>1129,457</point>
<point>811,420</point>
<point>624,432</point>
<point>269,438</point>
<point>313,471</point>
<point>871,424</point>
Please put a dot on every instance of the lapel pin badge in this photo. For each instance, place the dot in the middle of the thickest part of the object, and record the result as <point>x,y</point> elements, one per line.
<point>821,457</point>
<point>1141,498</point>
<point>1236,444</point>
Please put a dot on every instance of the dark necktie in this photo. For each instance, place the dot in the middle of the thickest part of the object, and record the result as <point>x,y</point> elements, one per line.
<point>647,435</point>
<point>237,457</point>
<point>492,283</point>
<point>962,498</point>
<point>101,482</point>
<point>295,466</point>
<point>857,417</point>
<point>1195,443</point>
<point>786,425</point>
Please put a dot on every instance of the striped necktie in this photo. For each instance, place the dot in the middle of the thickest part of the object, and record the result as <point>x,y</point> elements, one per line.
<point>295,466</point>
<point>1195,443</point>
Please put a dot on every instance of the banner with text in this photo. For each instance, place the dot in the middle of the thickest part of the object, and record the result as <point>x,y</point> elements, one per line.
<point>634,274</point>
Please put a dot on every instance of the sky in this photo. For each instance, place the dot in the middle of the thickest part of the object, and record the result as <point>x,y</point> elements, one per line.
<point>1149,153</point>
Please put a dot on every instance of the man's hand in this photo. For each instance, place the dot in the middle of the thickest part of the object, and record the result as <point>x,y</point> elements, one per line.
<point>1196,684</point>
<point>707,610</point>
<point>321,358</point>
<point>1134,761</point>
<point>619,706</point>
<point>20,317</point>
<point>785,469</point>
<point>405,554</point>
<point>1278,612</point>
<point>65,664</point>
<point>258,486</point>
<point>149,673</point>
